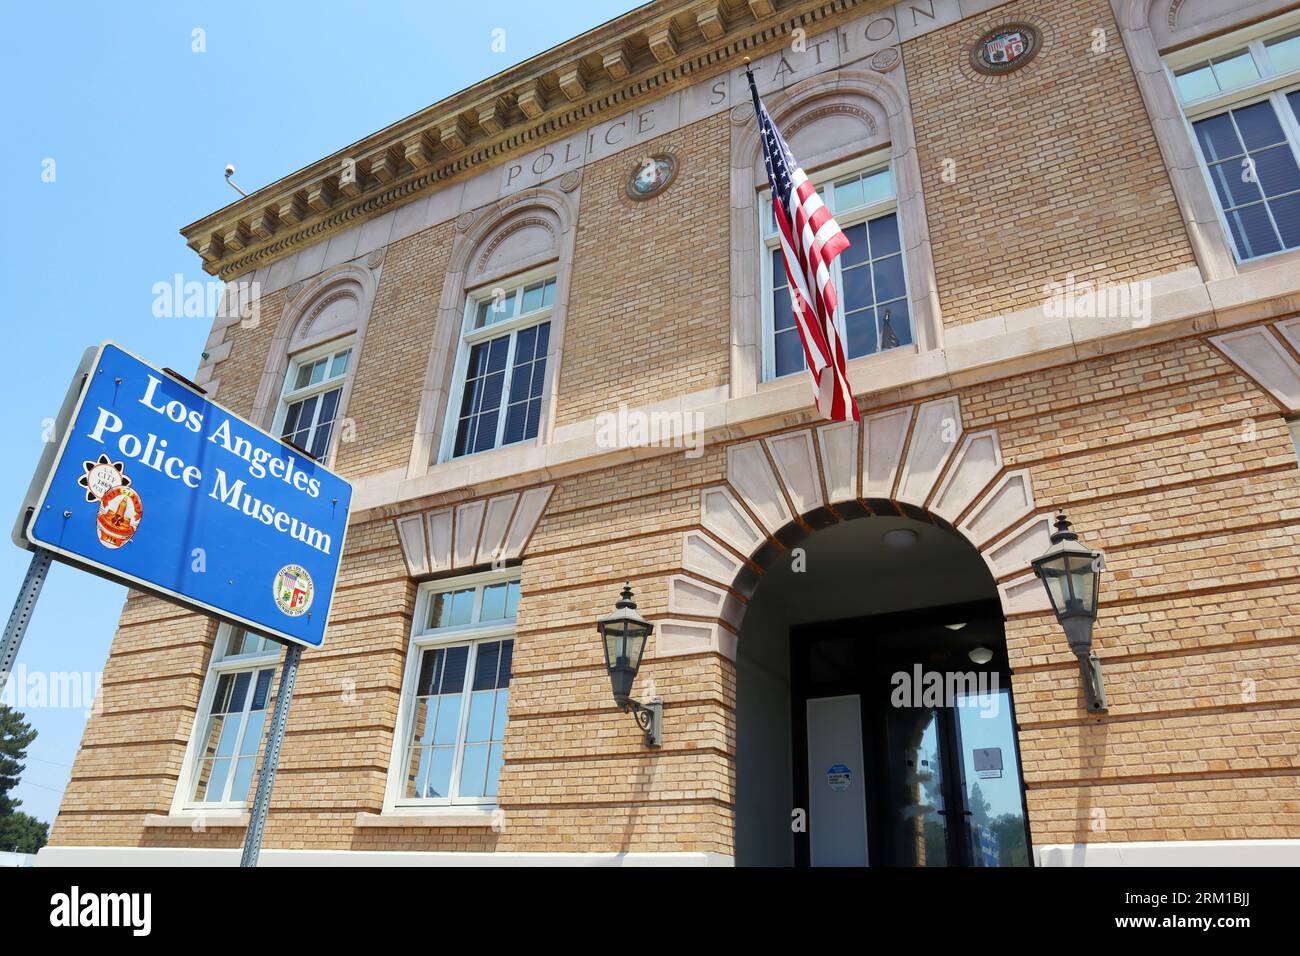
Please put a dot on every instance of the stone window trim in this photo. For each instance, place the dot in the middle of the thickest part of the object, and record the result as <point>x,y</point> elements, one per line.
<point>851,92</point>
<point>424,637</point>
<point>483,239</point>
<point>184,807</point>
<point>1150,29</point>
<point>299,333</point>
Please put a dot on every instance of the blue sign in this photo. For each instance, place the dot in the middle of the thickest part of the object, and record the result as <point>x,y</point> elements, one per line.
<point>160,488</point>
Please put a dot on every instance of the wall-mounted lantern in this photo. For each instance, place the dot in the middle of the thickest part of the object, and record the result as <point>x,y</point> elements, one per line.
<point>1071,573</point>
<point>624,635</point>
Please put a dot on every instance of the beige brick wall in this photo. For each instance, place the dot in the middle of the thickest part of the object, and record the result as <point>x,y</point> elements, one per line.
<point>385,399</point>
<point>1056,166</point>
<point>650,297</point>
<point>1149,451</point>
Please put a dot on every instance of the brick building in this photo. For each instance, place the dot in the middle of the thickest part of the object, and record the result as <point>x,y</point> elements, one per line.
<point>512,322</point>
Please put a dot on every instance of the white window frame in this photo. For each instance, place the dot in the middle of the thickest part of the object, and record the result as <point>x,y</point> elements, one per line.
<point>1271,86</point>
<point>290,395</point>
<point>184,801</point>
<point>873,162</point>
<point>470,336</point>
<point>422,639</point>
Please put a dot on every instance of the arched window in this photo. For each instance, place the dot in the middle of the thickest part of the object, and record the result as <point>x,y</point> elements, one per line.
<point>310,367</point>
<point>851,132</point>
<point>493,370</point>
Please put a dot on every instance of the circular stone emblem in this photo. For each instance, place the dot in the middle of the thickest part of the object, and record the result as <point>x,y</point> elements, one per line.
<point>652,175</point>
<point>293,590</point>
<point>1005,49</point>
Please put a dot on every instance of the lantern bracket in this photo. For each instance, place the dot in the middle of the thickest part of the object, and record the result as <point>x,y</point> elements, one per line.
<point>1093,688</point>
<point>649,717</point>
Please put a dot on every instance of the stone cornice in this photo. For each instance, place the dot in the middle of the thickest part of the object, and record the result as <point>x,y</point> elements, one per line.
<point>643,55</point>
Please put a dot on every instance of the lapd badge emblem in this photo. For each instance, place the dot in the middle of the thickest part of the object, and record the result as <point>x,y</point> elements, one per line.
<point>293,590</point>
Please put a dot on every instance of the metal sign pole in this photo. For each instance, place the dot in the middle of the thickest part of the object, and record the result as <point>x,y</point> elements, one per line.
<point>271,759</point>
<point>21,615</point>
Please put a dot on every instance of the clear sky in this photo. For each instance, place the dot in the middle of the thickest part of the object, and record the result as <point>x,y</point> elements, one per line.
<point>139,127</point>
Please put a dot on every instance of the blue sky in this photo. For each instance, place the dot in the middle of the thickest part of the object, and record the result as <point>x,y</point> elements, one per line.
<point>139,127</point>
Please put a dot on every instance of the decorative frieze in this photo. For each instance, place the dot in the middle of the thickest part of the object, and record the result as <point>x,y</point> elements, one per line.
<point>482,531</point>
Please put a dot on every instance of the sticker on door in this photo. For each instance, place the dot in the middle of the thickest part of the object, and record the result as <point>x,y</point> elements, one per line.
<point>839,777</point>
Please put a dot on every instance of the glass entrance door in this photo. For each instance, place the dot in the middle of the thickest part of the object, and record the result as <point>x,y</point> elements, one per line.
<point>940,780</point>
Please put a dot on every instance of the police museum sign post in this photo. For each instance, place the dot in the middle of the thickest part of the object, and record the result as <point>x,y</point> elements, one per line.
<point>151,484</point>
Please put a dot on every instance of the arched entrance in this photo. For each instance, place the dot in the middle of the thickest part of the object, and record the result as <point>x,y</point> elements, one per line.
<point>874,720</point>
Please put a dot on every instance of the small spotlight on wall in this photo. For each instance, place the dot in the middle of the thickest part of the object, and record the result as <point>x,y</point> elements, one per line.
<point>900,538</point>
<point>980,655</point>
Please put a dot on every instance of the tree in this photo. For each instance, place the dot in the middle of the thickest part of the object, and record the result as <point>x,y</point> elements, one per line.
<point>22,833</point>
<point>19,832</point>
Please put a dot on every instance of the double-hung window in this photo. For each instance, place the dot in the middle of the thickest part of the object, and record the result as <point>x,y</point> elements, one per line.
<point>870,282</point>
<point>501,366</point>
<point>232,717</point>
<point>309,403</point>
<point>1241,96</point>
<point>455,692</point>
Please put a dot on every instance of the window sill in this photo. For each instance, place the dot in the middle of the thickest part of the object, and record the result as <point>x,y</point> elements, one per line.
<point>198,819</point>
<point>452,817</point>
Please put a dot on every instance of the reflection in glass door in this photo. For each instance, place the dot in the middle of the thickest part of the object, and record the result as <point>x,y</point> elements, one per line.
<point>990,769</point>
<point>915,806</point>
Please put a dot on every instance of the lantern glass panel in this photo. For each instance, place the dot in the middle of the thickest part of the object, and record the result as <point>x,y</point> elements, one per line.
<point>1054,576</point>
<point>1083,583</point>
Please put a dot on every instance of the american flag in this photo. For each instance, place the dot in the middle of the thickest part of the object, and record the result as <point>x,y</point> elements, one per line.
<point>810,241</point>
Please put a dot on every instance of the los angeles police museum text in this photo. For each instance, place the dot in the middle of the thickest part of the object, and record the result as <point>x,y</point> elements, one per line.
<point>262,464</point>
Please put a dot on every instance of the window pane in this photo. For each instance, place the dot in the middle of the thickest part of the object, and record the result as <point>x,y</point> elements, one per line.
<point>848,194</point>
<point>485,665</point>
<point>1234,183</point>
<point>479,726</point>
<point>1276,170</point>
<point>857,288</point>
<point>898,317</point>
<point>263,688</point>
<point>438,782</point>
<point>862,332</point>
<point>878,187</point>
<point>889,278</point>
<point>532,299</point>
<point>782,315</point>
<point>480,404</point>
<point>884,235</point>
<point>1217,137</point>
<point>548,293</point>
<point>340,364</point>
<point>473,771</point>
<point>1196,82</point>
<point>1286,213</point>
<point>1253,231</point>
<point>317,371</point>
<point>1259,125</point>
<point>453,672</point>
<point>779,278</point>
<point>1236,70</point>
<point>857,251</point>
<point>1284,53</point>
<point>494,602</point>
<point>447,723</point>
<point>216,783</point>
<point>789,352</point>
<point>512,601</point>
<point>526,381</point>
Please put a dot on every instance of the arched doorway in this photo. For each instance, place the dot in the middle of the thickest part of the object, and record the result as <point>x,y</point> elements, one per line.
<point>874,720</point>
